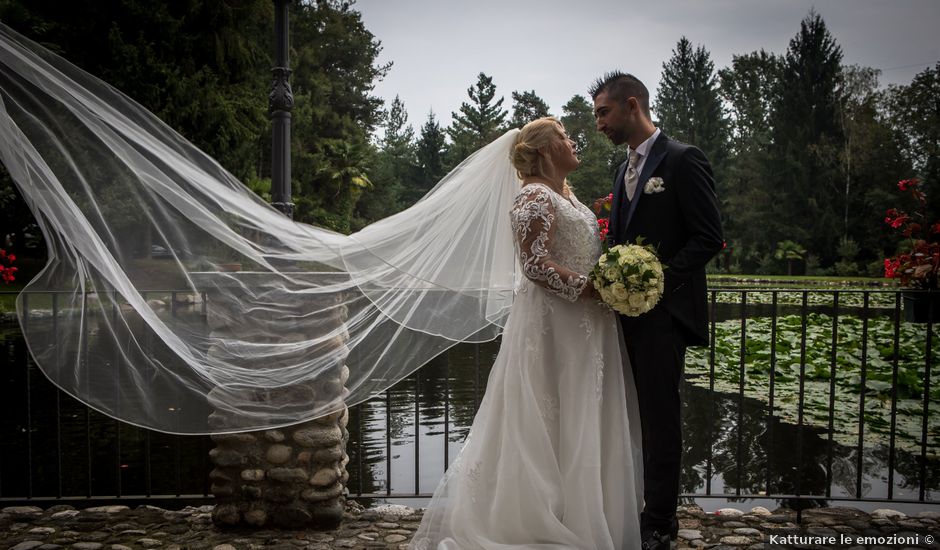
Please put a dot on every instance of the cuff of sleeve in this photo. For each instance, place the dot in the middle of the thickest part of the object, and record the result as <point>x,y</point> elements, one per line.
<point>577,288</point>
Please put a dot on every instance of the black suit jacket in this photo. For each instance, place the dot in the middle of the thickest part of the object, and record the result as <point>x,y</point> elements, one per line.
<point>683,224</point>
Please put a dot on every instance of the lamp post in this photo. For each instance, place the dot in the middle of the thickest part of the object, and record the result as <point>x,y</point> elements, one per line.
<point>280,103</point>
<point>294,476</point>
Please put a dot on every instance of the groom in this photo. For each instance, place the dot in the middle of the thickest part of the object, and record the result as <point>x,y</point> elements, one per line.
<point>664,193</point>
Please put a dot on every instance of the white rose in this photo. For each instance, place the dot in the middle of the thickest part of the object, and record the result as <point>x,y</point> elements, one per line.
<point>619,291</point>
<point>636,300</point>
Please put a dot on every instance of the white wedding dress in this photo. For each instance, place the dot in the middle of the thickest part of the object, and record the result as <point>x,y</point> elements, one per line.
<point>553,459</point>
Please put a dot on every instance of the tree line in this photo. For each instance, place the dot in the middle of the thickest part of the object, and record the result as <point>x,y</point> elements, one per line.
<point>806,149</point>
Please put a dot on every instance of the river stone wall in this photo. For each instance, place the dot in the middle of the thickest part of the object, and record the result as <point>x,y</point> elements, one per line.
<point>292,477</point>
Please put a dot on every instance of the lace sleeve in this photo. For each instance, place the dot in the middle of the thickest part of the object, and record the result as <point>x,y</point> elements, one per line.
<point>533,217</point>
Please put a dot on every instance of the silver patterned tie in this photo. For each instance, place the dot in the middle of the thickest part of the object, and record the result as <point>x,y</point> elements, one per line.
<point>632,176</point>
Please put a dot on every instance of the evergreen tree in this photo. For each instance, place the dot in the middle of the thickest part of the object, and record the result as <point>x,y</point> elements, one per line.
<point>688,103</point>
<point>599,157</point>
<point>201,67</point>
<point>394,169</point>
<point>478,122</point>
<point>804,165</point>
<point>526,107</point>
<point>204,68</point>
<point>578,119</point>
<point>747,88</point>
<point>431,152</point>
<point>399,135</point>
<point>334,115</point>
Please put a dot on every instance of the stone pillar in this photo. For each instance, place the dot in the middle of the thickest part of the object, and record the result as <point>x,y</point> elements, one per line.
<point>293,477</point>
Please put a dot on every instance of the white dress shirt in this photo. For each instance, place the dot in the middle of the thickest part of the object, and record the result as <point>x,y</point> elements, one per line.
<point>643,150</point>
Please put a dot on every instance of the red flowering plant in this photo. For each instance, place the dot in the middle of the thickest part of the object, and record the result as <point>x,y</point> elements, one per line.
<point>7,269</point>
<point>918,267</point>
<point>602,207</point>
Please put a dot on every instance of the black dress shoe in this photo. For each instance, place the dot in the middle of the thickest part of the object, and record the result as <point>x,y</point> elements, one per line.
<point>656,541</point>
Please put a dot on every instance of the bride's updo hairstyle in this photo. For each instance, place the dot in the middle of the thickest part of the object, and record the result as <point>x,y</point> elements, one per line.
<point>538,134</point>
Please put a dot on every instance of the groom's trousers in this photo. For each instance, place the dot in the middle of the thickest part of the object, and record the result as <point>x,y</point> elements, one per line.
<point>656,351</point>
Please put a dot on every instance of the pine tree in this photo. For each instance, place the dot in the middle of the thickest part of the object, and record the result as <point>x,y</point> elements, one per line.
<point>804,166</point>
<point>394,169</point>
<point>688,104</point>
<point>599,157</point>
<point>431,152</point>
<point>399,135</point>
<point>334,112</point>
<point>478,122</point>
<point>526,107</point>
<point>747,88</point>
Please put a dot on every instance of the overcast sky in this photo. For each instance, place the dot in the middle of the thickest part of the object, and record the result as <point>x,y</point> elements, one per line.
<point>558,47</point>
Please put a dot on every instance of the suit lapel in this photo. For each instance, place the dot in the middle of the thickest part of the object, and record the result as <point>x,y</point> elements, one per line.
<point>656,155</point>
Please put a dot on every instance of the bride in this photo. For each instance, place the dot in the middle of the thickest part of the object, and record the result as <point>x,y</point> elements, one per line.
<point>317,321</point>
<point>553,457</point>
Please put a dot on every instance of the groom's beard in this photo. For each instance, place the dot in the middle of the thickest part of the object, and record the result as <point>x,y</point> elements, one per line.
<point>617,136</point>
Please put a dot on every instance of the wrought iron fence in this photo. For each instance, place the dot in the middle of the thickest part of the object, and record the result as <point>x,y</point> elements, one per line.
<point>864,308</point>
<point>764,367</point>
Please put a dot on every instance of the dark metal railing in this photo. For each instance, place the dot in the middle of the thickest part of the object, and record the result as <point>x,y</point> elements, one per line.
<point>866,311</point>
<point>184,465</point>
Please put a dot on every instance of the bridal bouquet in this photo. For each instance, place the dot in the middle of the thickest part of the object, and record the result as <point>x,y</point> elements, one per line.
<point>629,278</point>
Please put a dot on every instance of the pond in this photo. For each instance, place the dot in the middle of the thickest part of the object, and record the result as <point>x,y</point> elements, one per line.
<point>51,445</point>
<point>731,444</point>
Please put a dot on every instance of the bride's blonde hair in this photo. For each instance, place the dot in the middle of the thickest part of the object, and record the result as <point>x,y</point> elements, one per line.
<point>540,133</point>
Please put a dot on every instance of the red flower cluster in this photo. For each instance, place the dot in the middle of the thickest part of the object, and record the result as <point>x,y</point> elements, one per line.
<point>904,185</point>
<point>603,227</point>
<point>7,269</point>
<point>602,206</point>
<point>896,219</point>
<point>919,267</point>
<point>891,267</point>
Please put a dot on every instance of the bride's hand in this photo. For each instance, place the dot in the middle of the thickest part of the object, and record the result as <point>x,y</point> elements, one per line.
<point>589,292</point>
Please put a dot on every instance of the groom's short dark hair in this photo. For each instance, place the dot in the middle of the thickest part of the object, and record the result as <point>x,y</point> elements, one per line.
<point>620,86</point>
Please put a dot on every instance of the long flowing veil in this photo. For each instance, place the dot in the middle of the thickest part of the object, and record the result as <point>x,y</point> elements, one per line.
<point>138,312</point>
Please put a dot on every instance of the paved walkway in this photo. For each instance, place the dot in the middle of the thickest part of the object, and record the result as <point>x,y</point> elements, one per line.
<point>391,526</point>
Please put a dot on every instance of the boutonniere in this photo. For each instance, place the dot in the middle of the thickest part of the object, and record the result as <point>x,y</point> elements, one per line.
<point>654,185</point>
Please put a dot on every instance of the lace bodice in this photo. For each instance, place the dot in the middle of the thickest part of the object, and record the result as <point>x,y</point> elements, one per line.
<point>557,239</point>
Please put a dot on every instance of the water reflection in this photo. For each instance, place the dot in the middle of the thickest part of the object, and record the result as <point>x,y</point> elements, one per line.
<point>732,446</point>
<point>51,445</point>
